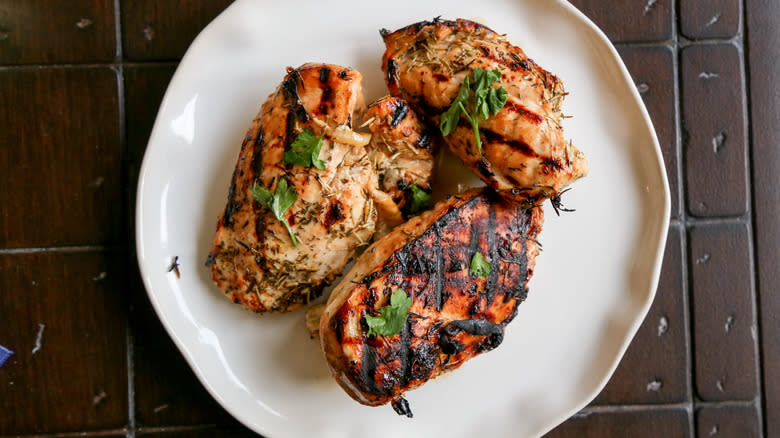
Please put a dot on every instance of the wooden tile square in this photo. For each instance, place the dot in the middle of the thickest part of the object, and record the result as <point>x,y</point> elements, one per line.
<point>655,366</point>
<point>724,320</point>
<point>44,31</point>
<point>166,390</point>
<point>61,157</point>
<point>728,421</point>
<point>144,88</point>
<point>652,69</point>
<point>709,18</point>
<point>634,424</point>
<point>64,319</point>
<point>630,20</point>
<point>163,29</point>
<point>714,130</point>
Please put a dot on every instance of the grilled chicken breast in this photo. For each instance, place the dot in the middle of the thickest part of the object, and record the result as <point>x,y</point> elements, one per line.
<point>401,149</point>
<point>524,154</point>
<point>253,259</point>
<point>454,315</point>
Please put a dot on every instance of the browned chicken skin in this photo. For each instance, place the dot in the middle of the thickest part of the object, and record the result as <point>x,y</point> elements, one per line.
<point>253,259</point>
<point>524,154</point>
<point>454,315</point>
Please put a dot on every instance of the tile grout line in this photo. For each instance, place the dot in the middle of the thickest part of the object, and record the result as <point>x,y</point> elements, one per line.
<point>757,345</point>
<point>120,69</point>
<point>683,219</point>
<point>64,66</point>
<point>64,249</point>
<point>131,426</point>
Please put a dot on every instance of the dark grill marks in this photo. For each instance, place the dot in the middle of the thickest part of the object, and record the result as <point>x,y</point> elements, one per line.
<point>324,74</point>
<point>439,283</point>
<point>490,287</point>
<point>484,168</point>
<point>232,206</point>
<point>297,111</point>
<point>392,72</point>
<point>257,153</point>
<point>325,99</point>
<point>338,323</point>
<point>493,335</point>
<point>523,112</point>
<point>401,110</point>
<point>405,352</point>
<point>440,77</point>
<point>522,219</point>
<point>290,88</point>
<point>474,242</point>
<point>368,365</point>
<point>517,145</point>
<point>289,135</point>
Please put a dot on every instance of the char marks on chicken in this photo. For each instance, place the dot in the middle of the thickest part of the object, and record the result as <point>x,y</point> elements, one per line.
<point>454,314</point>
<point>524,154</point>
<point>253,258</point>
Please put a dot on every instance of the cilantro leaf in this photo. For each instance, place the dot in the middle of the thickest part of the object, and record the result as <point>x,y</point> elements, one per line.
<point>278,202</point>
<point>262,195</point>
<point>450,118</point>
<point>480,267</point>
<point>420,200</point>
<point>305,150</point>
<point>486,102</point>
<point>392,318</point>
<point>496,99</point>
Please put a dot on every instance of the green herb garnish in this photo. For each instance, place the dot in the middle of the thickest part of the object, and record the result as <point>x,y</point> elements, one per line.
<point>392,317</point>
<point>480,267</point>
<point>305,150</point>
<point>486,102</point>
<point>278,202</point>
<point>420,200</point>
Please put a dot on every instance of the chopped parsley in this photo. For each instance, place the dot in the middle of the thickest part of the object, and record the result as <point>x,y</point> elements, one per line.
<point>484,102</point>
<point>420,200</point>
<point>392,317</point>
<point>480,267</point>
<point>305,150</point>
<point>278,202</point>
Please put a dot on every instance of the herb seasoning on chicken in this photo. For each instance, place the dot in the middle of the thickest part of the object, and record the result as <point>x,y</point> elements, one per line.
<point>401,150</point>
<point>277,247</point>
<point>519,148</point>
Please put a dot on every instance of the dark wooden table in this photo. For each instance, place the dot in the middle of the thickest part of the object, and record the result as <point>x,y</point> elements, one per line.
<point>80,82</point>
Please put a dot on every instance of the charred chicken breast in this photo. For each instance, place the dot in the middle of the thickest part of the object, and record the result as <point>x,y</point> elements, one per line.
<point>524,154</point>
<point>455,313</point>
<point>255,259</point>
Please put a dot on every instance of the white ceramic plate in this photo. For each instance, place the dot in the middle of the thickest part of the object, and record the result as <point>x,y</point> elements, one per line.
<point>594,281</point>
